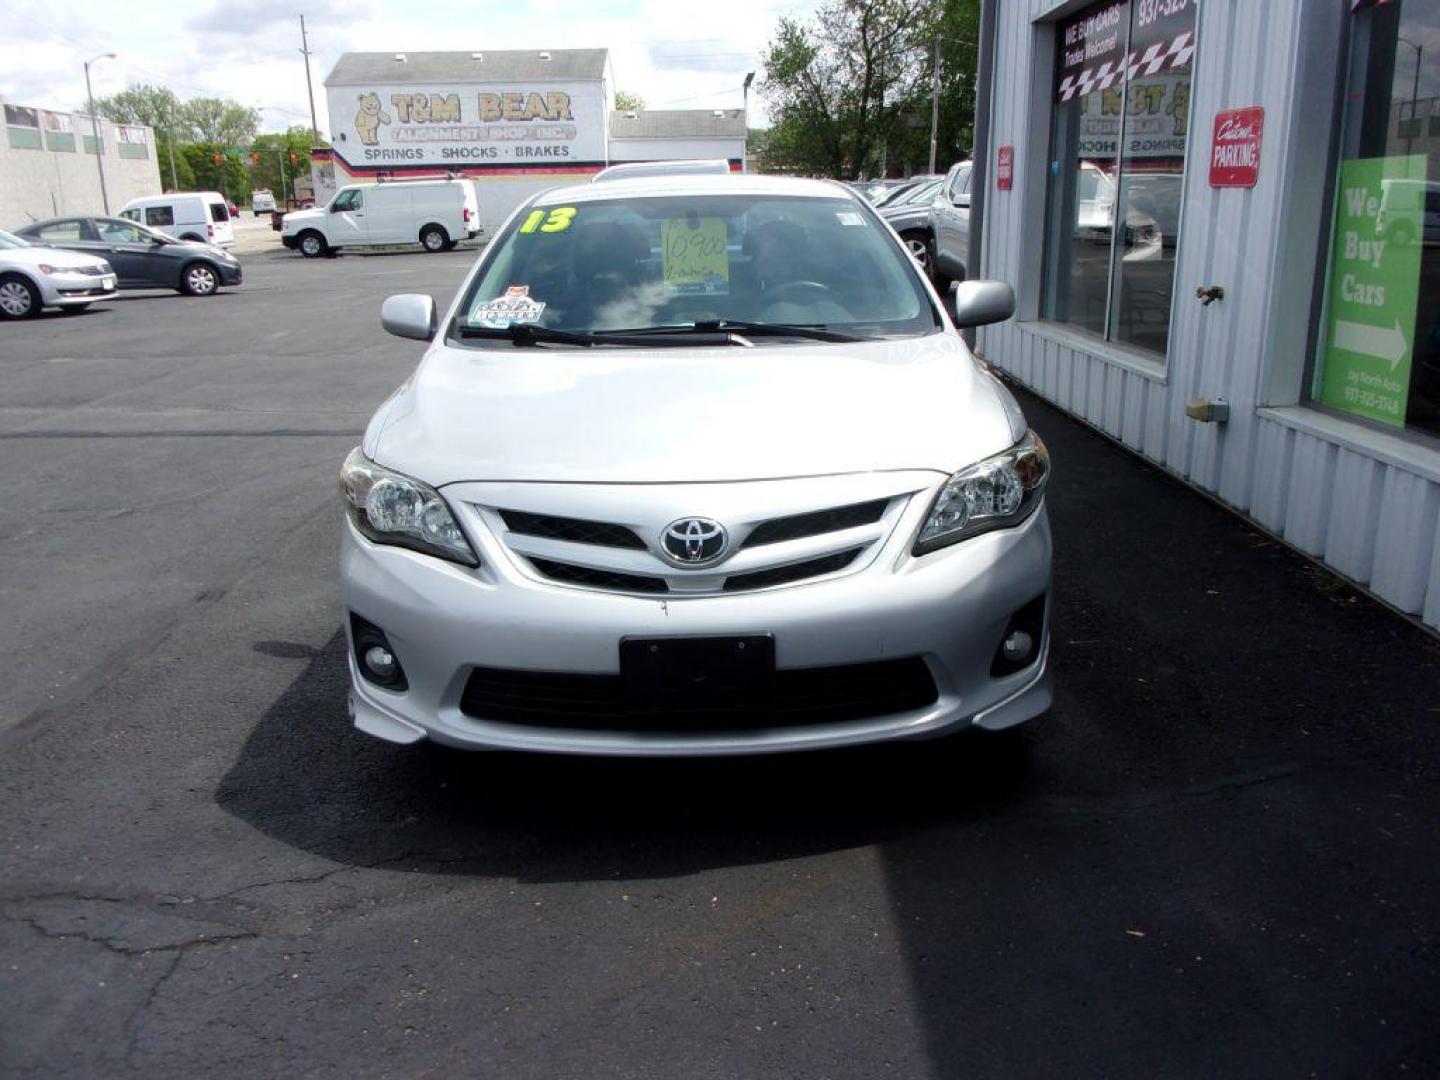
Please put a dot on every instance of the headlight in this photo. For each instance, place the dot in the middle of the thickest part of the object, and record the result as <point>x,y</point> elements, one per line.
<point>46,268</point>
<point>996,493</point>
<point>389,508</point>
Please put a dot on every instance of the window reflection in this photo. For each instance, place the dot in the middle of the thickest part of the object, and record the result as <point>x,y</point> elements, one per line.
<point>1122,80</point>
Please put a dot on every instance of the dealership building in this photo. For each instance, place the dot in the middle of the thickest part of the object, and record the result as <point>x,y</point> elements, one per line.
<point>516,121</point>
<point>48,166</point>
<point>1222,222</point>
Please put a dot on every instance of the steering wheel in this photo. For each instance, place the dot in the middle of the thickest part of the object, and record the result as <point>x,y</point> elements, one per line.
<point>799,292</point>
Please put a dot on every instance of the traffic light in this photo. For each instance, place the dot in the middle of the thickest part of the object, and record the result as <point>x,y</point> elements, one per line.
<point>215,158</point>
<point>254,159</point>
<point>294,157</point>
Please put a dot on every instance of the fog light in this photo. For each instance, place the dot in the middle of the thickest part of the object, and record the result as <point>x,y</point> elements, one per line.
<point>381,661</point>
<point>1019,645</point>
<point>1017,648</point>
<point>374,657</point>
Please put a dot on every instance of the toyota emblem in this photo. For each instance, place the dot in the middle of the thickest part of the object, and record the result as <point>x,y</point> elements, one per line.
<point>693,541</point>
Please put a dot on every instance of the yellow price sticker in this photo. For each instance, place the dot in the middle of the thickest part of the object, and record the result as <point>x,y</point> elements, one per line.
<point>695,259</point>
<point>557,220</point>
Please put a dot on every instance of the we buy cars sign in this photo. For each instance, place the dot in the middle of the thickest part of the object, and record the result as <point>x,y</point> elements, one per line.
<point>1235,148</point>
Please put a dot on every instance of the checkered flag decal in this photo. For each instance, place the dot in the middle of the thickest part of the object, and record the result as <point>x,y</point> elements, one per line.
<point>1174,53</point>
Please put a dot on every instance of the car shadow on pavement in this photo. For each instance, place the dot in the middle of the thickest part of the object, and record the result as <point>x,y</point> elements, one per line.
<point>308,779</point>
<point>1214,857</point>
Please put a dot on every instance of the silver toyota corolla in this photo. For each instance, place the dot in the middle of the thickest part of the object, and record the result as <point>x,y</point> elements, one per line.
<point>696,465</point>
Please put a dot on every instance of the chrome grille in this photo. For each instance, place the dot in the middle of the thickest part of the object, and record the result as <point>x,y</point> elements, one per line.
<point>609,537</point>
<point>817,522</point>
<point>571,574</point>
<point>575,530</point>
<point>98,270</point>
<point>784,575</point>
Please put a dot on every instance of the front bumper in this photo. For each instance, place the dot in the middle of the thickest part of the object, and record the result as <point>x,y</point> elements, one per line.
<point>230,273</point>
<point>290,241</point>
<point>950,608</point>
<point>66,290</point>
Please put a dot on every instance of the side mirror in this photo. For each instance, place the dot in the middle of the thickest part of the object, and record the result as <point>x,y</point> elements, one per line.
<point>979,303</point>
<point>962,202</point>
<point>409,315</point>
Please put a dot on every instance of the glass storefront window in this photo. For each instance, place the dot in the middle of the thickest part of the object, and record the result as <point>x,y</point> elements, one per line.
<point>1378,354</point>
<point>1120,120</point>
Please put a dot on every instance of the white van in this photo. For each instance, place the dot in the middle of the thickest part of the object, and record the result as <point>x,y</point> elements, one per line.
<point>436,214</point>
<point>186,215</point>
<point>262,201</point>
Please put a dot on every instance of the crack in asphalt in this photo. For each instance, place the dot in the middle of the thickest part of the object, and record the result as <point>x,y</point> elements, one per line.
<point>110,944</point>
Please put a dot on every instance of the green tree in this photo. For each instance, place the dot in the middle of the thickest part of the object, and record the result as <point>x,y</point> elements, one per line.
<point>850,88</point>
<point>215,167</point>
<point>625,101</point>
<point>265,156</point>
<point>161,110</point>
<point>221,121</point>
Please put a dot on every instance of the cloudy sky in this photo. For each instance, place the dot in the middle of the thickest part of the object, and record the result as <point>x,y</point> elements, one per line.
<point>674,53</point>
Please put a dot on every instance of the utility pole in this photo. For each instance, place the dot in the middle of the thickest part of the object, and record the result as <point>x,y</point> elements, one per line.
<point>95,128</point>
<point>309,89</point>
<point>174,177</point>
<point>745,112</point>
<point>1414,92</point>
<point>935,106</point>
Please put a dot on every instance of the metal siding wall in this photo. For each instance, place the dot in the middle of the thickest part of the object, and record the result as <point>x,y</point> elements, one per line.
<point>1375,522</point>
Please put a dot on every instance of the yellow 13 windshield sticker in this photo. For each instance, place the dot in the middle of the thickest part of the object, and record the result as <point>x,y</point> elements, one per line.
<point>695,259</point>
<point>557,220</point>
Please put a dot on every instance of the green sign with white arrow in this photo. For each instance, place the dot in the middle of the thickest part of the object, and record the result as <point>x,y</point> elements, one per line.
<point>1374,286</point>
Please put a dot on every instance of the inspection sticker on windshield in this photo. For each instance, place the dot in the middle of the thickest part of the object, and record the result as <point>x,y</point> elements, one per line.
<point>695,259</point>
<point>515,306</point>
<point>849,217</point>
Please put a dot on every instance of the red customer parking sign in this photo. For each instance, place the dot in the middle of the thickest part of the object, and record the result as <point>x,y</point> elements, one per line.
<point>1005,168</point>
<point>1235,148</point>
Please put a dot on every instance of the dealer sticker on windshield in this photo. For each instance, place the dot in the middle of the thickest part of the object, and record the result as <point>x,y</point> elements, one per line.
<point>515,306</point>
<point>695,257</point>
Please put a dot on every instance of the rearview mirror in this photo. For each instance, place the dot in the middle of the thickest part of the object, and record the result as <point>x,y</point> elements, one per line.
<point>409,315</point>
<point>979,303</point>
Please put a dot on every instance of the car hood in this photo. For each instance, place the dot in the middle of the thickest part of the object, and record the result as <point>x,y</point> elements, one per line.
<point>907,216</point>
<point>34,256</point>
<point>295,218</point>
<point>711,414</point>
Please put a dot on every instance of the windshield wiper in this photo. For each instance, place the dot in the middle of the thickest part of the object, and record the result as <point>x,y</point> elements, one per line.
<point>527,334</point>
<point>531,334</point>
<point>814,331</point>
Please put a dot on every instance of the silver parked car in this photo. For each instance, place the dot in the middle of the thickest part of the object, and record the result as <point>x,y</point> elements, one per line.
<point>696,465</point>
<point>33,277</point>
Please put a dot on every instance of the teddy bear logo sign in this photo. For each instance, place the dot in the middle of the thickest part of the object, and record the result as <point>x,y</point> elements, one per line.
<point>369,119</point>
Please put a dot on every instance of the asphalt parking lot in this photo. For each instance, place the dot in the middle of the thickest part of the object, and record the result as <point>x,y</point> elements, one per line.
<point>1216,856</point>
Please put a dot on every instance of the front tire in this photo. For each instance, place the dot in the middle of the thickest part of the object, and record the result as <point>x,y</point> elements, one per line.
<point>311,244</point>
<point>18,298</point>
<point>199,279</point>
<point>921,249</point>
<point>434,239</point>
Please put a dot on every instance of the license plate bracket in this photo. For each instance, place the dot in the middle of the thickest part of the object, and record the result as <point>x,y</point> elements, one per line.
<point>687,675</point>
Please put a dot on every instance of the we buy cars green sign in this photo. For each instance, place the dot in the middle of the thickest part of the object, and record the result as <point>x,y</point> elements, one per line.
<point>1374,286</point>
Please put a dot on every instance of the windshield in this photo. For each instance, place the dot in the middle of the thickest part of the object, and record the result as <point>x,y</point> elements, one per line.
<point>892,195</point>
<point>9,241</point>
<point>678,261</point>
<point>920,193</point>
